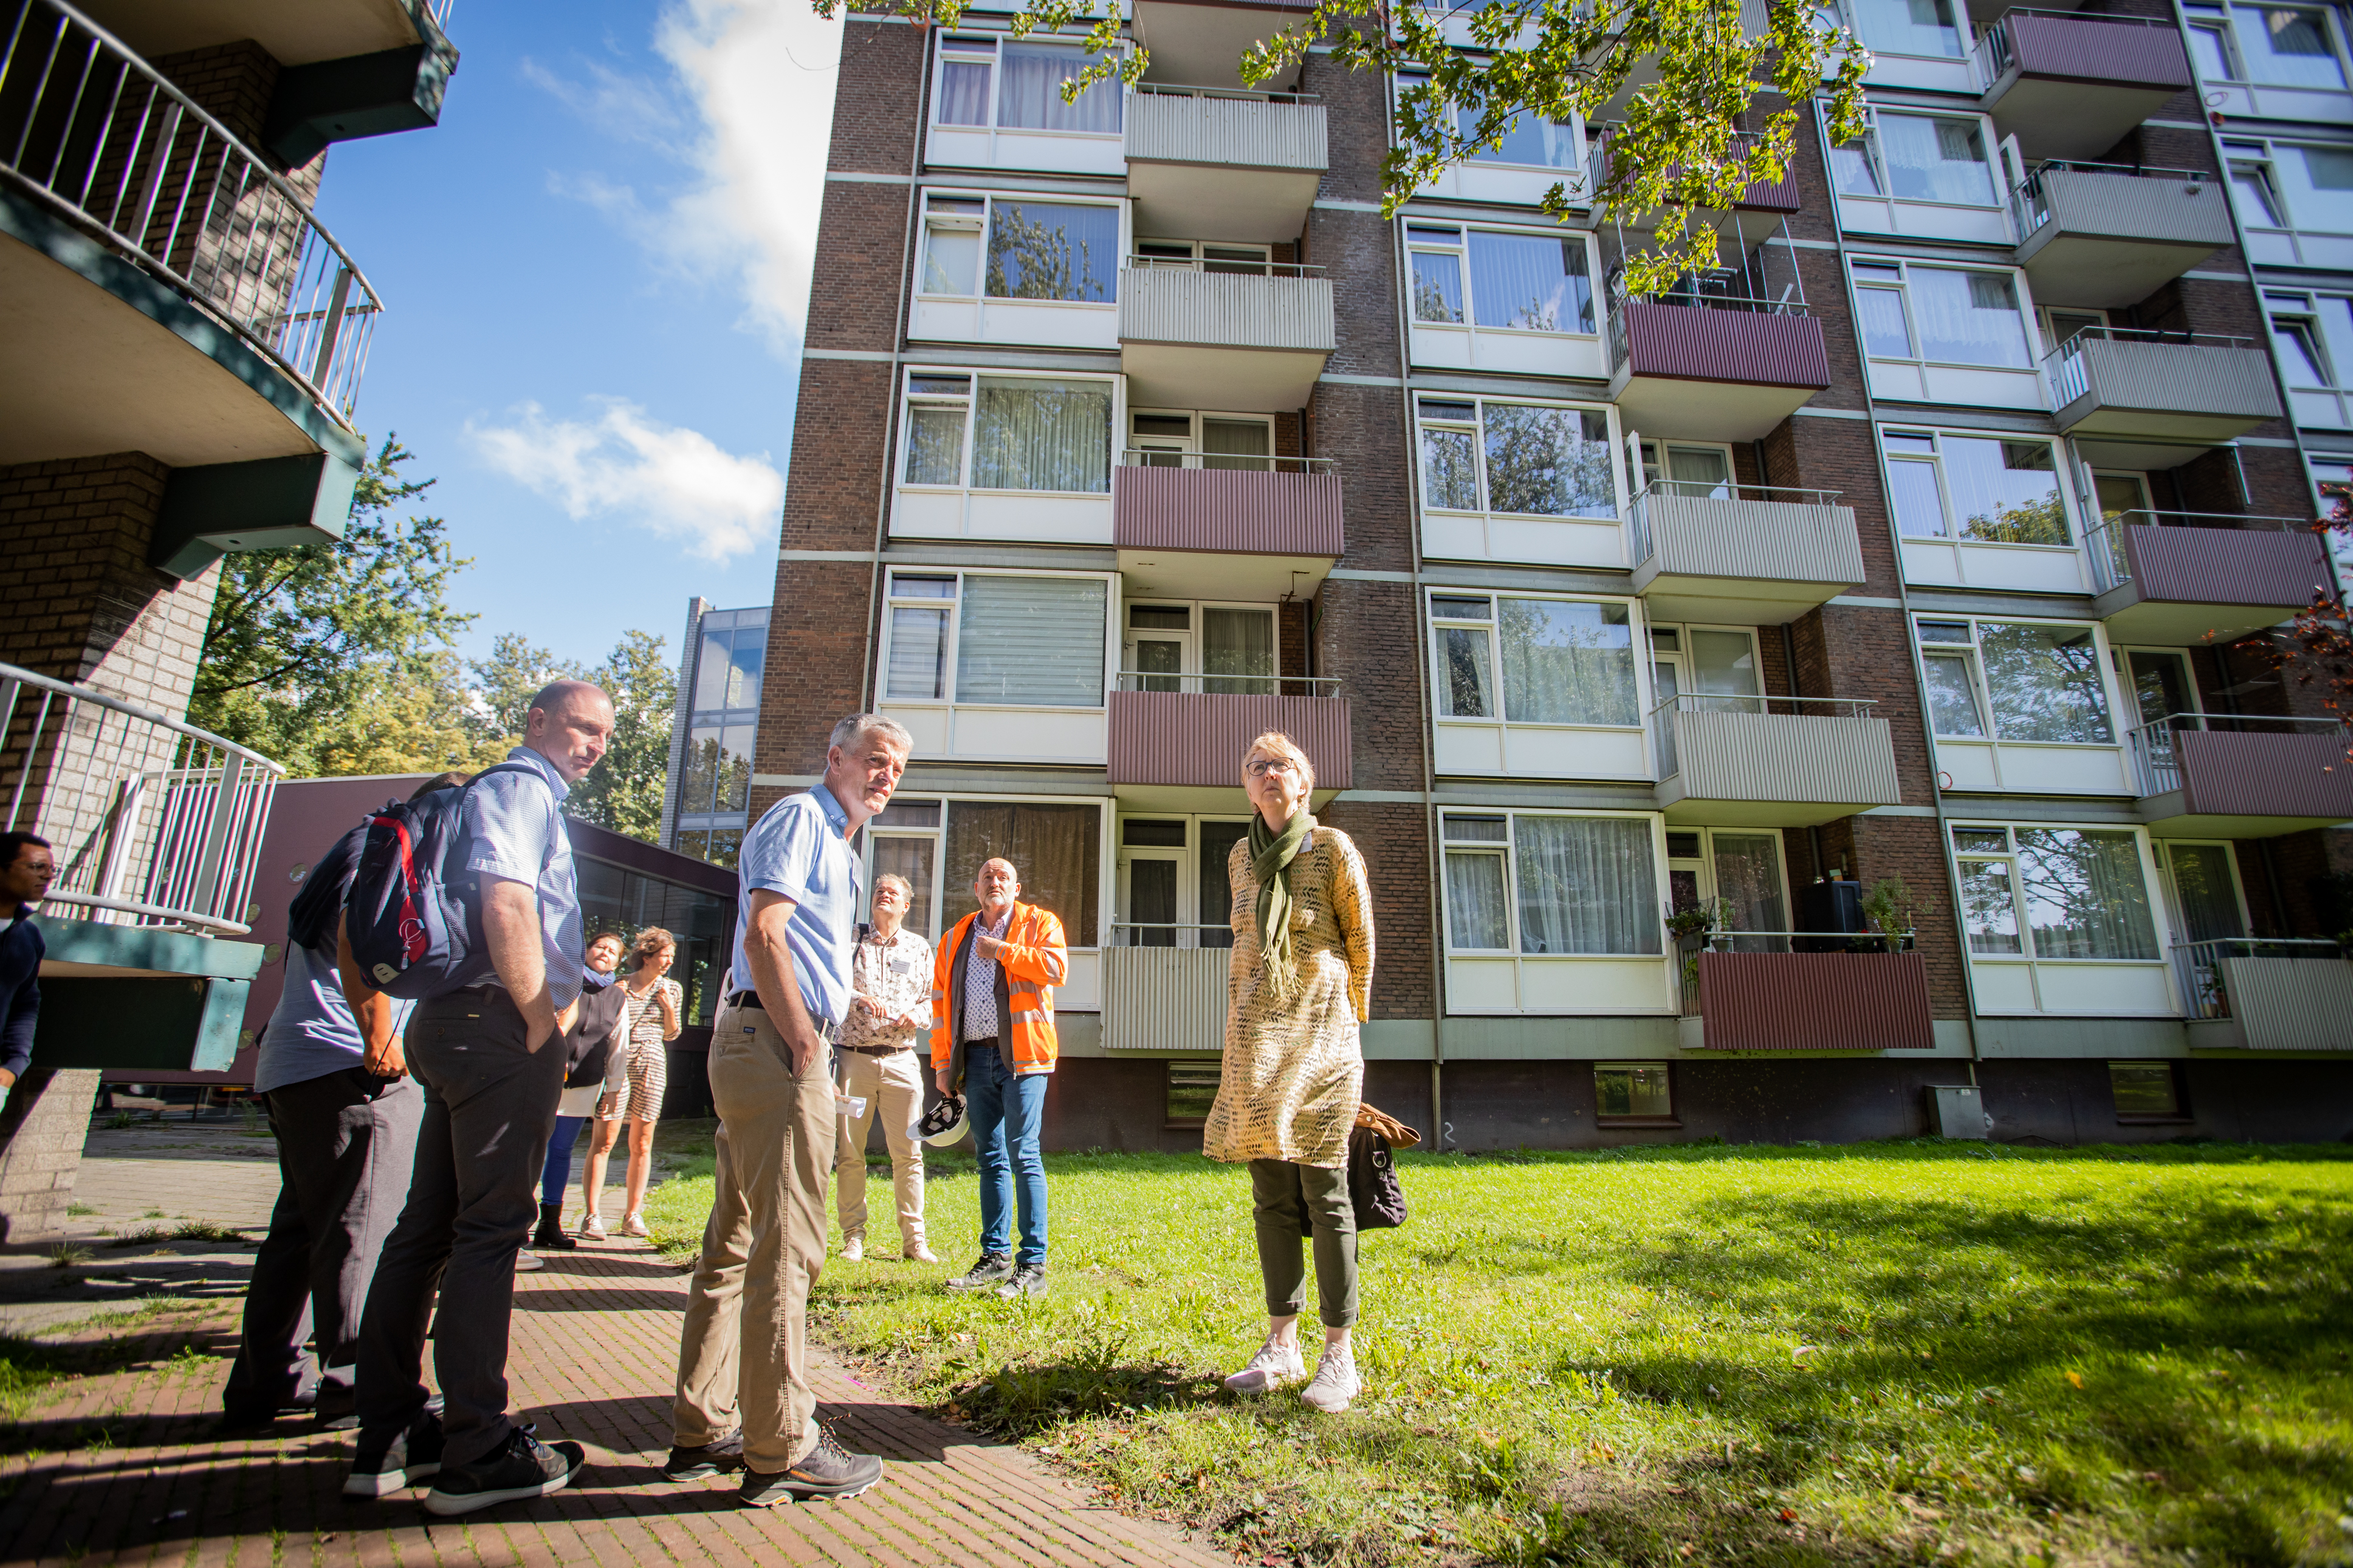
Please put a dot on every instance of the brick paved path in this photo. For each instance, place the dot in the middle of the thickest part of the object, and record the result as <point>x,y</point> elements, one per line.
<point>595,1340</point>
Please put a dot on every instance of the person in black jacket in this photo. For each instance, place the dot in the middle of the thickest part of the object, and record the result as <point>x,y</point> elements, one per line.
<point>590,1066</point>
<point>26,869</point>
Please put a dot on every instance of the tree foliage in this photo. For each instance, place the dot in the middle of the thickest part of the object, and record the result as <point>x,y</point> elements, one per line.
<point>624,792</point>
<point>1474,69</point>
<point>2318,649</point>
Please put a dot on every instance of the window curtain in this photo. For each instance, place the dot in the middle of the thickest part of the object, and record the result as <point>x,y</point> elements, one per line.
<point>1052,250</point>
<point>2005,492</point>
<point>1748,877</point>
<point>1851,169</point>
<point>2044,682</point>
<point>919,654</point>
<point>1055,851</point>
<point>936,443</point>
<point>1436,286</point>
<point>2286,48</point>
<point>1968,318</point>
<point>1531,281</point>
<point>1937,159</point>
<point>1909,28</point>
<point>1042,436</point>
<point>1238,646</point>
<point>1549,462</point>
<point>1568,663</point>
<point>951,261</point>
<point>1035,642</point>
<point>963,94</point>
<point>910,857</point>
<point>2209,900</point>
<point>1216,907</point>
<point>1587,884</point>
<point>1474,901</point>
<point>1031,97</point>
<point>1884,333</point>
<point>2086,896</point>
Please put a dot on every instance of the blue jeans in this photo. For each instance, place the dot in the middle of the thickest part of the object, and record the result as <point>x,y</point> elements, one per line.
<point>1007,1109</point>
<point>558,1175</point>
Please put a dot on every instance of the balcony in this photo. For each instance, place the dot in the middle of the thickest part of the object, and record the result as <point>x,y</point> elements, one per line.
<point>2105,235</point>
<point>2266,995</point>
<point>2108,382</point>
<point>1164,988</point>
<point>1224,527</point>
<point>1747,991</point>
<point>1762,207</point>
<point>1730,762</point>
<point>2181,577</point>
<point>1215,160</point>
<point>1722,368</point>
<point>2211,775</point>
<point>1251,338</point>
<point>1193,738</point>
<point>1725,555</point>
<point>2071,87</point>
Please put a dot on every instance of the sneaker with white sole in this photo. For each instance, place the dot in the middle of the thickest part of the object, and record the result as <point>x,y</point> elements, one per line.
<point>523,1468</point>
<point>828,1470</point>
<point>722,1453</point>
<point>853,1248</point>
<point>379,1469</point>
<point>526,1260</point>
<point>1335,1384</point>
<point>994,1268</point>
<point>592,1225</point>
<point>1273,1367</point>
<point>634,1224</point>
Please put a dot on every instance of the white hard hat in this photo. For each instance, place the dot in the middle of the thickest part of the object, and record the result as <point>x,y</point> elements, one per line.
<point>943,1124</point>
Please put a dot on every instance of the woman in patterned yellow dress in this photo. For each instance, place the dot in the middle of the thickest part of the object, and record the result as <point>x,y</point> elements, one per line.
<point>1300,985</point>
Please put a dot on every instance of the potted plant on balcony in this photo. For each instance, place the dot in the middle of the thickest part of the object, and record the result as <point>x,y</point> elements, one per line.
<point>1893,911</point>
<point>1691,926</point>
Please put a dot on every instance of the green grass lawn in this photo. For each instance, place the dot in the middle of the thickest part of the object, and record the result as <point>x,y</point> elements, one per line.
<point>1893,1353</point>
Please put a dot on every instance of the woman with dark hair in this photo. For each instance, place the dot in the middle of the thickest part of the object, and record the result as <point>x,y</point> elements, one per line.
<point>650,1007</point>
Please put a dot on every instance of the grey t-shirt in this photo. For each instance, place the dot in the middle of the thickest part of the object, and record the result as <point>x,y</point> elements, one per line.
<point>313,1033</point>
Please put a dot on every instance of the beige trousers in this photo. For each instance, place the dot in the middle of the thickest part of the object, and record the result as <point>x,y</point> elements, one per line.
<point>892,1088</point>
<point>743,1352</point>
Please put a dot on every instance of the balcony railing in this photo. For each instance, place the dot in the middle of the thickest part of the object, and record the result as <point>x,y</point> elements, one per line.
<point>1752,994</point>
<point>2201,384</point>
<point>2112,560</point>
<point>2266,993</point>
<point>1775,195</point>
<point>1193,730</point>
<point>2037,200</point>
<point>1242,462</point>
<point>153,822</point>
<point>1662,727</point>
<point>1229,685</point>
<point>2201,970</point>
<point>2037,41</point>
<point>1165,987</point>
<point>1224,268</point>
<point>90,129</point>
<point>1238,94</point>
<point>1659,499</point>
<point>1839,944</point>
<point>1720,290</point>
<point>2160,768</point>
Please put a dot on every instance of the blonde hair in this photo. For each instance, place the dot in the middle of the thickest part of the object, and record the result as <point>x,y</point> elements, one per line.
<point>651,941</point>
<point>1274,742</point>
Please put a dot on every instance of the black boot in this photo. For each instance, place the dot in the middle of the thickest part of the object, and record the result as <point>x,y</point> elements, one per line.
<point>551,1229</point>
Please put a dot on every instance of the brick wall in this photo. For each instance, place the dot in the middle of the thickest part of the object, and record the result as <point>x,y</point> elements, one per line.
<point>41,1133</point>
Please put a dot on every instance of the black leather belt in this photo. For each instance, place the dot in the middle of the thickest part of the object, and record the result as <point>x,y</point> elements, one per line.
<point>826,1027</point>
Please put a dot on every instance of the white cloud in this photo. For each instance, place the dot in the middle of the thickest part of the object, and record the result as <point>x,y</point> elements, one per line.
<point>759,75</point>
<point>676,484</point>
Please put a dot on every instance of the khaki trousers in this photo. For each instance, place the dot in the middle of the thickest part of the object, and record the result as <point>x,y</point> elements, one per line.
<point>743,1352</point>
<point>892,1088</point>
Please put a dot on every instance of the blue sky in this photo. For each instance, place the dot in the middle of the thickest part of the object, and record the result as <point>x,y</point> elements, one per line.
<point>594,271</point>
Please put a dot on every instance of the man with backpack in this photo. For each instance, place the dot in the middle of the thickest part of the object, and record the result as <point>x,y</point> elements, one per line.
<point>345,1115</point>
<point>489,935</point>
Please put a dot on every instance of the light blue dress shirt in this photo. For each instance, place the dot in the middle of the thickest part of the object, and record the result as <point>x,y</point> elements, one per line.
<point>516,834</point>
<point>797,849</point>
<point>312,1032</point>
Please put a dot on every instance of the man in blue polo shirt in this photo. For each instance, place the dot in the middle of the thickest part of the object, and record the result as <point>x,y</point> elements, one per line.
<point>743,1392</point>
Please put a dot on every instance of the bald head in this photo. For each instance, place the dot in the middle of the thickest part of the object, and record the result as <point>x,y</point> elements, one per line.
<point>570,724</point>
<point>994,889</point>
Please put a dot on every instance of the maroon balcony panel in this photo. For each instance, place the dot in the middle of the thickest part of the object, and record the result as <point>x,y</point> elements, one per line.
<point>1197,738</point>
<point>1779,195</point>
<point>2225,565</point>
<point>1231,510</point>
<point>1683,343</point>
<point>2230,773</point>
<point>1815,1002</point>
<point>2084,48</point>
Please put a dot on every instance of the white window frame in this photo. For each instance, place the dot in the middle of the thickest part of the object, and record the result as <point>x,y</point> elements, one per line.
<point>1448,533</point>
<point>1992,764</point>
<point>1917,217</point>
<point>2327,407</point>
<point>1196,636</point>
<point>2240,97</point>
<point>949,728</point>
<point>1916,378</point>
<point>1559,984</point>
<point>1651,455</point>
<point>1466,345</point>
<point>1493,182</point>
<point>1710,891</point>
<point>1189,869</point>
<point>965,511</point>
<point>1949,560</point>
<point>1506,747</point>
<point>1191,456</point>
<point>2294,240</point>
<point>2046,334</point>
<point>992,146</point>
<point>2026,984</point>
<point>2162,849</point>
<point>980,317</point>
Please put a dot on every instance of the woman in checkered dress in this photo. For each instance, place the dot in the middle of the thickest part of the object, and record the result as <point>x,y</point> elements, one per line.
<point>650,1007</point>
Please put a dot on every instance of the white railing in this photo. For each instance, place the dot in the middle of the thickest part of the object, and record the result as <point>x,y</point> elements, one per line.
<point>1231,685</point>
<point>90,130</point>
<point>153,821</point>
<point>2065,377</point>
<point>1637,510</point>
<point>1245,94</point>
<point>2156,766</point>
<point>1247,462</point>
<point>1169,933</point>
<point>1662,725</point>
<point>2199,971</point>
<point>2030,199</point>
<point>2112,568</point>
<point>1227,267</point>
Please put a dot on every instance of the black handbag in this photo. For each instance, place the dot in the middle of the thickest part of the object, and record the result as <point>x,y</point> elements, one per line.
<point>1373,1182</point>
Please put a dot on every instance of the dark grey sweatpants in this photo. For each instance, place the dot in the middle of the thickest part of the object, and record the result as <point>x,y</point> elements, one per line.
<point>346,1141</point>
<point>1291,1201</point>
<point>489,1107</point>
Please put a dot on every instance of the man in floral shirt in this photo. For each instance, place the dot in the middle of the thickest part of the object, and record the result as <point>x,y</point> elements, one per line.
<point>890,1007</point>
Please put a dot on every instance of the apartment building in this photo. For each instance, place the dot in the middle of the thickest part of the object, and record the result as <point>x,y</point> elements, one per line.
<point>1933,537</point>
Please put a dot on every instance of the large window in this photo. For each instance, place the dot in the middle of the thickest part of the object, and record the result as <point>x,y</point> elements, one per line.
<point>2054,893</point>
<point>1541,884</point>
<point>1940,315</point>
<point>1501,278</point>
<point>2275,45</point>
<point>984,637</point>
<point>1017,85</point>
<point>710,809</point>
<point>2015,681</point>
<point>1535,459</point>
<point>1532,142</point>
<point>2293,198</point>
<point>2311,338</point>
<point>1007,433</point>
<point>615,898</point>
<point>1918,158</point>
<point>1020,247</point>
<point>1207,648</point>
<point>1994,490</point>
<point>1910,27</point>
<point>939,846</point>
<point>1535,661</point>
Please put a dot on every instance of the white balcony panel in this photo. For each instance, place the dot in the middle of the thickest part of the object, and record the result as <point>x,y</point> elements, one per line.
<point>974,733</point>
<point>1084,991</point>
<point>1002,514</point>
<point>1901,381</point>
<point>1243,169</point>
<point>1533,541</point>
<point>1043,323</point>
<point>2322,410</point>
<point>1561,986</point>
<point>1439,347</point>
<point>2071,988</point>
<point>2316,105</point>
<point>2018,568</point>
<point>1051,152</point>
<point>1470,749</point>
<point>1164,998</point>
<point>2027,767</point>
<point>2002,989</point>
<point>1497,185</point>
<point>1925,220</point>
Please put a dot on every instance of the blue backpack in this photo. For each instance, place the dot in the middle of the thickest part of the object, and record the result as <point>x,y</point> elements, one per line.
<point>414,934</point>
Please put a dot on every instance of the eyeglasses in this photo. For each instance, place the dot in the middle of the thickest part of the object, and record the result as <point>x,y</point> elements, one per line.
<point>1265,765</point>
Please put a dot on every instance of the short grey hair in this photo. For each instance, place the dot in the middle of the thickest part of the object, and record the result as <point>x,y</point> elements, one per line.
<point>892,878</point>
<point>858,726</point>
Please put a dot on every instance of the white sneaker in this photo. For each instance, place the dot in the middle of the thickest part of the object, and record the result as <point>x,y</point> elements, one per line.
<point>634,1224</point>
<point>526,1260</point>
<point>1273,1367</point>
<point>592,1225</point>
<point>854,1248</point>
<point>1335,1383</point>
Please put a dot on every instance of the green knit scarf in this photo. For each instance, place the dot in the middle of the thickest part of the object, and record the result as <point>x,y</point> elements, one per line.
<point>1272,854</point>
